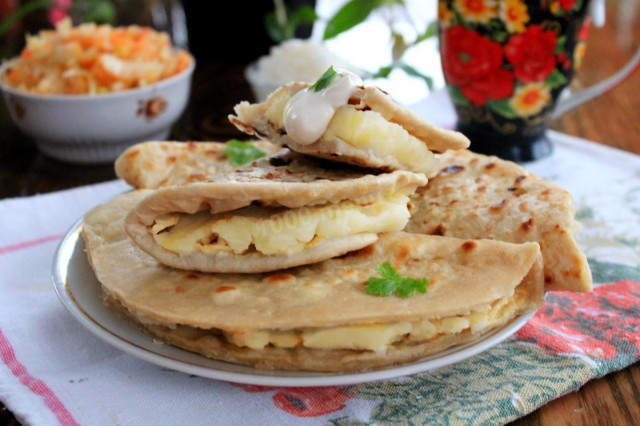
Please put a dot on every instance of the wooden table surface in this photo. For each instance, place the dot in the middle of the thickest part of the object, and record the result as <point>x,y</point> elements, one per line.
<point>613,119</point>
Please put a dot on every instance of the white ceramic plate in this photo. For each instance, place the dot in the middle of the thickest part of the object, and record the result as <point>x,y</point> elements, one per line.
<point>79,291</point>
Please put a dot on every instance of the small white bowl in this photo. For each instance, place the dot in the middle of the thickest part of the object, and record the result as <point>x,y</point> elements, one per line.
<point>93,129</point>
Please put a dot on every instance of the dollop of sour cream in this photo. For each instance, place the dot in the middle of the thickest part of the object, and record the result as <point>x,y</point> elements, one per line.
<point>308,113</point>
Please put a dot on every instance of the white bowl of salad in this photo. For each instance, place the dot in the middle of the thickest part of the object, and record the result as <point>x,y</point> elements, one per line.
<point>86,93</point>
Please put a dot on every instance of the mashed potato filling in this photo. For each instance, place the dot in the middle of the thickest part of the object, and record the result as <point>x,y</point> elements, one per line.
<point>375,337</point>
<point>370,131</point>
<point>278,231</point>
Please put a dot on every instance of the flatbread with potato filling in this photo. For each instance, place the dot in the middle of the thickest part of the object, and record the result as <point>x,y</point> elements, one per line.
<point>282,211</point>
<point>371,131</point>
<point>317,317</point>
<point>477,196</point>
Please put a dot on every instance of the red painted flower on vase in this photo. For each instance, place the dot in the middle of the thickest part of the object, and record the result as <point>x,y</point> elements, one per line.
<point>567,4</point>
<point>532,54</point>
<point>474,63</point>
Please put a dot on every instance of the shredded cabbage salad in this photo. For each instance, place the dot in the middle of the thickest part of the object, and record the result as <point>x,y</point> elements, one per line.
<point>94,59</point>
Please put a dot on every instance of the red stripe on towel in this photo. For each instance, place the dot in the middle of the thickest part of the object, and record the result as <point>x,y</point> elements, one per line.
<point>28,244</point>
<point>36,386</point>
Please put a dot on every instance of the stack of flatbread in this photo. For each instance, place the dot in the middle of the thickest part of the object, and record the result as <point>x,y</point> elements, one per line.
<point>269,264</point>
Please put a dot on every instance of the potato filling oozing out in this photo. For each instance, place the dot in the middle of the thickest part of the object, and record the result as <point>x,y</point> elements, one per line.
<point>370,131</point>
<point>278,231</point>
<point>375,337</point>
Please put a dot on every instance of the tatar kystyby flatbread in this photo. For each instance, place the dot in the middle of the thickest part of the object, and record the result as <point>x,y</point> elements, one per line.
<point>282,211</point>
<point>317,317</point>
<point>368,128</point>
<point>155,164</point>
<point>477,196</point>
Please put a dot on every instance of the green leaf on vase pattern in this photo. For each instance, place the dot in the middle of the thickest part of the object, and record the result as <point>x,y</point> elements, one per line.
<point>556,79</point>
<point>605,272</point>
<point>457,97</point>
<point>502,107</point>
<point>562,40</point>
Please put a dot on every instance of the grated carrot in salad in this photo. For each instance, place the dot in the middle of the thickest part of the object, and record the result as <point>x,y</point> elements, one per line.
<point>93,59</point>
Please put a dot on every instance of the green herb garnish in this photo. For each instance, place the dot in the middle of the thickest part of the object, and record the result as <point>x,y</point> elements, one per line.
<point>325,79</point>
<point>392,283</point>
<point>239,152</point>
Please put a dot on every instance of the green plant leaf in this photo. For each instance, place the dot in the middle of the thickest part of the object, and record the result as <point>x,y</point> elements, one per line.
<point>502,107</point>
<point>281,31</point>
<point>415,73</point>
<point>392,283</point>
<point>383,72</point>
<point>21,12</point>
<point>303,15</point>
<point>101,12</point>
<point>431,31</point>
<point>239,152</point>
<point>348,16</point>
<point>556,79</point>
<point>276,32</point>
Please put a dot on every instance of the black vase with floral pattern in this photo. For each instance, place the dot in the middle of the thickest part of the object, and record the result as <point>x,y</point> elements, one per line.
<point>506,62</point>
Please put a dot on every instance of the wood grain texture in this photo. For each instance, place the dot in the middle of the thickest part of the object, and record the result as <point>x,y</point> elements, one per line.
<point>613,119</point>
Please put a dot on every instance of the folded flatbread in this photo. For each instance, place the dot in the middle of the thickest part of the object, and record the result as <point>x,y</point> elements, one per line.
<point>371,130</point>
<point>155,164</point>
<point>476,196</point>
<point>317,317</point>
<point>284,210</point>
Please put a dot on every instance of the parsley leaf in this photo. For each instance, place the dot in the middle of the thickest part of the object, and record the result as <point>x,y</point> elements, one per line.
<point>393,283</point>
<point>240,153</point>
<point>325,79</point>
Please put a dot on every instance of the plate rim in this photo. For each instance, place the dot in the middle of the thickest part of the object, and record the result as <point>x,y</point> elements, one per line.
<point>64,254</point>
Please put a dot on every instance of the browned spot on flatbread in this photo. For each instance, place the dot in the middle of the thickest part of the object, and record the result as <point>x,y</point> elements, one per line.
<point>193,276</point>
<point>197,176</point>
<point>497,207</point>
<point>469,246</point>
<point>191,145</point>
<point>224,288</point>
<point>402,253</point>
<point>133,153</point>
<point>489,166</point>
<point>519,179</point>
<point>279,278</point>
<point>548,279</point>
<point>350,271</point>
<point>363,252</point>
<point>179,289</point>
<point>437,230</point>
<point>150,165</point>
<point>526,225</point>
